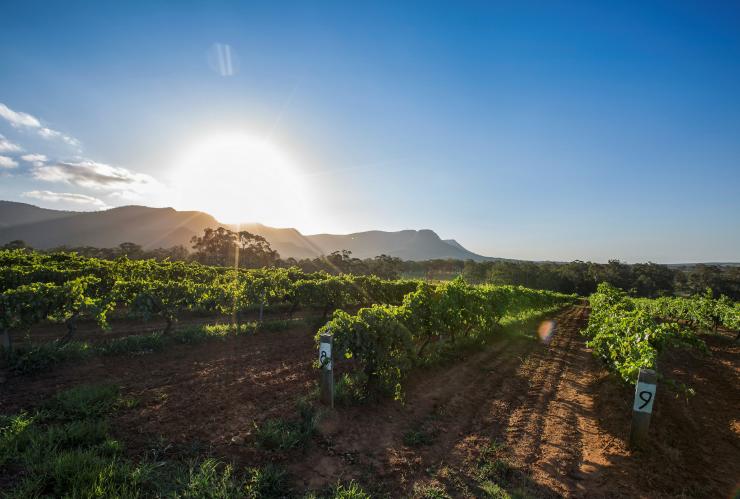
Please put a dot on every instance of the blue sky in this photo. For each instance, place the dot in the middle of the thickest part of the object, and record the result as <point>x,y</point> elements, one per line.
<point>547,130</point>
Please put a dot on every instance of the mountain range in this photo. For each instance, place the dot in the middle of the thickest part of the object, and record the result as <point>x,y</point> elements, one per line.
<point>164,227</point>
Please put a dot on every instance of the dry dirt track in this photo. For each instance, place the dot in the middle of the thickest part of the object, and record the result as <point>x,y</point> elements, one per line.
<point>529,399</point>
<point>542,420</point>
<point>552,414</point>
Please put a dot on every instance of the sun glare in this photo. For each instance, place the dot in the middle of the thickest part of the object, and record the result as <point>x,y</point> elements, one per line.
<point>237,177</point>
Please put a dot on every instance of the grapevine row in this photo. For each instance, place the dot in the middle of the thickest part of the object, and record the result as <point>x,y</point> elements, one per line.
<point>630,333</point>
<point>65,287</point>
<point>384,342</point>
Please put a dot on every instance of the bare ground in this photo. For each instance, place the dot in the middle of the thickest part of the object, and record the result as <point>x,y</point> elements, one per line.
<point>543,420</point>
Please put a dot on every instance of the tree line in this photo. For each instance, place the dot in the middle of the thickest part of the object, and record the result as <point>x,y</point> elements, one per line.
<point>223,247</point>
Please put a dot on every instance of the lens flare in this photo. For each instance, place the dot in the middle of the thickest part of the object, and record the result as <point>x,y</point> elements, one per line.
<point>222,59</point>
<point>546,331</point>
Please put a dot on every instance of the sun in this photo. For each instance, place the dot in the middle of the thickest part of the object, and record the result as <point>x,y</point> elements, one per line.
<point>238,177</point>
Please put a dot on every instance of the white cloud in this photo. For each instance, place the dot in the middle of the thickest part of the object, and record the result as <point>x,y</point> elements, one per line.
<point>94,175</point>
<point>48,133</point>
<point>6,162</point>
<point>125,195</point>
<point>8,146</point>
<point>66,197</point>
<point>35,159</point>
<point>18,119</point>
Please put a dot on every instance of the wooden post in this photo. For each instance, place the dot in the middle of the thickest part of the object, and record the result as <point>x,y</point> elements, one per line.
<point>643,407</point>
<point>327,374</point>
<point>262,305</point>
<point>6,342</point>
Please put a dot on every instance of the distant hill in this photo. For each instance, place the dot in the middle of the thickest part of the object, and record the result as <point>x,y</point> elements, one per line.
<point>149,227</point>
<point>12,214</point>
<point>164,227</point>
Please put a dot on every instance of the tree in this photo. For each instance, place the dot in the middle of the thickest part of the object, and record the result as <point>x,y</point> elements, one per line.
<point>385,267</point>
<point>15,244</point>
<point>131,250</point>
<point>255,251</point>
<point>651,279</point>
<point>227,248</point>
<point>215,247</point>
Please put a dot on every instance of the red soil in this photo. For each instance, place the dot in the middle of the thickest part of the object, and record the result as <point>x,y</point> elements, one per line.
<point>557,418</point>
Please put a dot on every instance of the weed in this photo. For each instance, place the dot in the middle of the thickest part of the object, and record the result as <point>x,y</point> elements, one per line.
<point>192,335</point>
<point>429,491</point>
<point>350,389</point>
<point>36,358</point>
<point>417,437</point>
<point>493,490</point>
<point>135,344</point>
<point>279,434</point>
<point>210,478</point>
<point>350,491</point>
<point>266,482</point>
<point>83,401</point>
<point>65,450</point>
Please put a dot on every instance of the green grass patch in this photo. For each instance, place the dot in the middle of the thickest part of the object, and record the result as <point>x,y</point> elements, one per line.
<point>33,358</point>
<point>268,481</point>
<point>84,401</point>
<point>349,389</point>
<point>65,449</point>
<point>494,491</point>
<point>351,490</point>
<point>281,434</point>
<point>429,491</point>
<point>417,437</point>
<point>136,344</point>
<point>29,359</point>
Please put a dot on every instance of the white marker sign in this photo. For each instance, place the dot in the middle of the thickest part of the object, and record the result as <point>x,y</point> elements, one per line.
<point>325,355</point>
<point>644,397</point>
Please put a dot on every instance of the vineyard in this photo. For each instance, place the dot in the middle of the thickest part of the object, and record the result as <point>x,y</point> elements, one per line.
<point>442,389</point>
<point>67,288</point>
<point>629,334</point>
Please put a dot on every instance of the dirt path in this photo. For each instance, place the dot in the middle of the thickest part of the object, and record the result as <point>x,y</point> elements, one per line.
<point>537,420</point>
<point>519,396</point>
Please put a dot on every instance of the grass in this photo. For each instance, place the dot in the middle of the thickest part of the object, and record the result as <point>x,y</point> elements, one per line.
<point>29,359</point>
<point>498,478</point>
<point>349,389</point>
<point>417,437</point>
<point>268,481</point>
<point>493,490</point>
<point>281,434</point>
<point>515,323</point>
<point>352,490</point>
<point>138,344</point>
<point>84,401</point>
<point>65,449</point>
<point>429,491</point>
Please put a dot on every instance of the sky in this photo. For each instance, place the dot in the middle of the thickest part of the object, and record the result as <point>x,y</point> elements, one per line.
<point>531,130</point>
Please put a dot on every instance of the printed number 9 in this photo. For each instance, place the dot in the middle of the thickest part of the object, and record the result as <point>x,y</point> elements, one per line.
<point>646,397</point>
